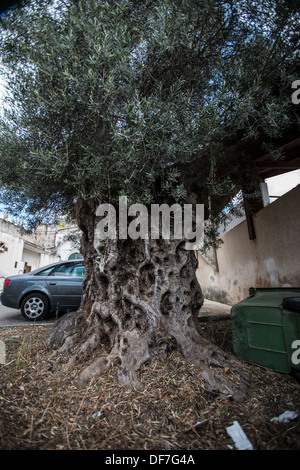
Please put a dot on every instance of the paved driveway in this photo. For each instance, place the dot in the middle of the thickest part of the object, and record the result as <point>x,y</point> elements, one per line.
<point>12,317</point>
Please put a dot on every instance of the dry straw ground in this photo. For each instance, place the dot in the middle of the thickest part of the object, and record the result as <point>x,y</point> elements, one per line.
<point>41,408</point>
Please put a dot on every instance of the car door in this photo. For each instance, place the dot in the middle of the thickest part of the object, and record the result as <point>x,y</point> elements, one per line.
<point>65,285</point>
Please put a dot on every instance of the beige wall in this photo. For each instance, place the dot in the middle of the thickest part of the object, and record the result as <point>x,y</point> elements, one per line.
<point>271,260</point>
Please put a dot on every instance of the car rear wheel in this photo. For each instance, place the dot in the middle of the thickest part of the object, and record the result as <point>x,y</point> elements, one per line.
<point>35,307</point>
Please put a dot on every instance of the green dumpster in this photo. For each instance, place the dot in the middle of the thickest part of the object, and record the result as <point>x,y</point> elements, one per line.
<point>266,328</point>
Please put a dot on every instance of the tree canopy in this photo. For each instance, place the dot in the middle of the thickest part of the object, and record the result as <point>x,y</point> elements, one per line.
<point>147,99</point>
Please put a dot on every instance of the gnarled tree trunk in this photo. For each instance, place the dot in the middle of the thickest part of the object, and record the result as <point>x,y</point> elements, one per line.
<point>141,298</point>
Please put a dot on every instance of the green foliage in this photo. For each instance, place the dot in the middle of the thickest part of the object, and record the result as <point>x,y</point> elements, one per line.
<point>146,99</point>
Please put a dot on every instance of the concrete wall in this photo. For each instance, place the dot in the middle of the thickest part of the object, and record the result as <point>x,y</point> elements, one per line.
<point>271,260</point>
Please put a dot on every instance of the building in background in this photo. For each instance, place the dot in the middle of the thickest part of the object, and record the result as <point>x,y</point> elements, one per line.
<point>22,252</point>
<point>63,240</point>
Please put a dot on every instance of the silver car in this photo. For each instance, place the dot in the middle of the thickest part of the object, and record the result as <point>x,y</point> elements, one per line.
<point>52,288</point>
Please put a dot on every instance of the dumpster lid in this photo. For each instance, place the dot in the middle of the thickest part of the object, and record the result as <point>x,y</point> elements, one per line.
<point>270,296</point>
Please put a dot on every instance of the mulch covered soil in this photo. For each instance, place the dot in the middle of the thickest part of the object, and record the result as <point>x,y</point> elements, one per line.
<point>42,409</point>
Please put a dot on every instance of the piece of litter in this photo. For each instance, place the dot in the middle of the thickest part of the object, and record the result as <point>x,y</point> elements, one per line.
<point>285,417</point>
<point>238,436</point>
<point>224,397</point>
<point>97,415</point>
<point>196,425</point>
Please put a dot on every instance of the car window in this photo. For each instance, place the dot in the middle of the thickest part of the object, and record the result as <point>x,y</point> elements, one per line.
<point>45,272</point>
<point>73,270</point>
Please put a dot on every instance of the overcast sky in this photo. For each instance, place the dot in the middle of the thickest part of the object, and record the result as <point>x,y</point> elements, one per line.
<point>281,184</point>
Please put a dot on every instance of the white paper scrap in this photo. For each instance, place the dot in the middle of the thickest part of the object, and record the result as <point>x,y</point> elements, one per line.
<point>238,436</point>
<point>285,417</point>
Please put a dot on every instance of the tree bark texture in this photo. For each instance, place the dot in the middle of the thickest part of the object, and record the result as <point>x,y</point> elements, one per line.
<point>141,299</point>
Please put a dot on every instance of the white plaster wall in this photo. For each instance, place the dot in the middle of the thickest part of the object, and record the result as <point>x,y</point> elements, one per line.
<point>12,255</point>
<point>46,258</point>
<point>65,249</point>
<point>31,258</point>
